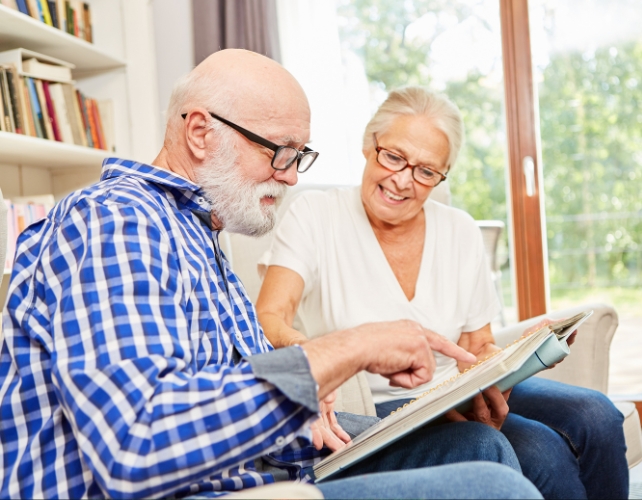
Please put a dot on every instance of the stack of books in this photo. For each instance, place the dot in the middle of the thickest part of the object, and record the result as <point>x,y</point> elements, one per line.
<point>22,212</point>
<point>38,99</point>
<point>70,16</point>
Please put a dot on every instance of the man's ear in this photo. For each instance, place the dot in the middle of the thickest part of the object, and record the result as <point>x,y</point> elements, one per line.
<point>196,132</point>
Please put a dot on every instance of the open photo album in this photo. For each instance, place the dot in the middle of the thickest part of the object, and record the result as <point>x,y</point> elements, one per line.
<point>533,352</point>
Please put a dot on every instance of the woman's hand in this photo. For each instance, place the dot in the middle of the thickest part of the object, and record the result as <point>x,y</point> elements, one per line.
<point>327,431</point>
<point>489,407</point>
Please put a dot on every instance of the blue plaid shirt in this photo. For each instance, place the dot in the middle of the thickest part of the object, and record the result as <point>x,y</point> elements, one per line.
<point>121,367</point>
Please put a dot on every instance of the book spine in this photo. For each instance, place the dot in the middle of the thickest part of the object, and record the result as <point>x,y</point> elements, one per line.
<point>74,13</point>
<point>99,125</point>
<point>10,124</point>
<point>61,15</point>
<point>70,17</point>
<point>53,12</point>
<point>22,6</point>
<point>14,98</point>
<point>38,8</point>
<point>19,218</point>
<point>9,3</point>
<point>30,128</point>
<point>73,111</point>
<point>62,113</point>
<point>46,119</point>
<point>46,15</point>
<point>36,109</point>
<point>51,112</point>
<point>85,118</point>
<point>93,127</point>
<point>3,126</point>
<point>89,32</point>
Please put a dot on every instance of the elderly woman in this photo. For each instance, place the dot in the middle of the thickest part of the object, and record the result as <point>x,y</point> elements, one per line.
<point>385,251</point>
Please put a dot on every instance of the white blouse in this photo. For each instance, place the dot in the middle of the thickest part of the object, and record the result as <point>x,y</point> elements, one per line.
<point>326,238</point>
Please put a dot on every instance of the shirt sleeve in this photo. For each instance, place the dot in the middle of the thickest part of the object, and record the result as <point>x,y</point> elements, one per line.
<point>147,417</point>
<point>484,304</point>
<point>296,245</point>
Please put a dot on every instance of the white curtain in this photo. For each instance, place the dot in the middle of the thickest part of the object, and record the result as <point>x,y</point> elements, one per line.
<point>335,84</point>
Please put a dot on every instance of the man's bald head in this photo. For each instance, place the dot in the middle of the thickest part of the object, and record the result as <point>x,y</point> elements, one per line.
<point>242,86</point>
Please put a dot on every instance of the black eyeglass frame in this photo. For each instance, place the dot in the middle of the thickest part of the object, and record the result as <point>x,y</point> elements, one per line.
<point>378,149</point>
<point>268,144</point>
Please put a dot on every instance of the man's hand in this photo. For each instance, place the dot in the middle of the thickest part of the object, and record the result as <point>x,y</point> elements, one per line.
<point>327,431</point>
<point>489,408</point>
<point>402,351</point>
<point>399,350</point>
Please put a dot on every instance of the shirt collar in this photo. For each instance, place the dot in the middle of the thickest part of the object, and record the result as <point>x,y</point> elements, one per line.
<point>192,194</point>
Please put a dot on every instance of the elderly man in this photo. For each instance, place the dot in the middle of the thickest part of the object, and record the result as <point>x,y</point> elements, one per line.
<point>132,363</point>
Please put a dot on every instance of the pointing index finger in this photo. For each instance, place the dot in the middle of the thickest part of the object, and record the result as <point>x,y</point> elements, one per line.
<point>448,348</point>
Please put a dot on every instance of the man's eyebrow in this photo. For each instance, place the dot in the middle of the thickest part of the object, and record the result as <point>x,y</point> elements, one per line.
<point>291,140</point>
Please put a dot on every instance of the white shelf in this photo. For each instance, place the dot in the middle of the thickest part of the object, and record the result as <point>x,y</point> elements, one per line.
<point>19,30</point>
<point>16,149</point>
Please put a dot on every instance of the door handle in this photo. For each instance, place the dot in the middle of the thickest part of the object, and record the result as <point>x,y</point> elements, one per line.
<point>528,164</point>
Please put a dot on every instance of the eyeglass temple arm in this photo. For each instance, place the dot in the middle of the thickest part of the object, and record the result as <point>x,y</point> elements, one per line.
<point>250,135</point>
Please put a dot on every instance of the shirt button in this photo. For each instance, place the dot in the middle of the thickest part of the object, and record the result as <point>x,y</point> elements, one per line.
<point>239,337</point>
<point>201,201</point>
<point>280,441</point>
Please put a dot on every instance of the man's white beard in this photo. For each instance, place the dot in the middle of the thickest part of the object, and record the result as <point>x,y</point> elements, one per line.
<point>236,201</point>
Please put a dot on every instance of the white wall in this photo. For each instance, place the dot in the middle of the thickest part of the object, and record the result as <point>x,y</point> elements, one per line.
<point>173,33</point>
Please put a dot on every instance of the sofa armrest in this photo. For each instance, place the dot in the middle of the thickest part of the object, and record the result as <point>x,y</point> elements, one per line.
<point>588,363</point>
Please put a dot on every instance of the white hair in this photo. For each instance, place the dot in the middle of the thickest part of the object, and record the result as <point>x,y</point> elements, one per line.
<point>419,101</point>
<point>194,89</point>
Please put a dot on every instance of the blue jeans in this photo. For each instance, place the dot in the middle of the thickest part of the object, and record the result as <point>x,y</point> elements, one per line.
<point>466,480</point>
<point>414,466</point>
<point>569,440</point>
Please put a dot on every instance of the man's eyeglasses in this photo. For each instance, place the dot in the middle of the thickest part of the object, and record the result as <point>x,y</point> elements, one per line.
<point>284,156</point>
<point>396,163</point>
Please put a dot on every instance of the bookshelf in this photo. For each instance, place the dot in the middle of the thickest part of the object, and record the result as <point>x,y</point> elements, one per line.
<point>21,149</point>
<point>120,66</point>
<point>19,30</point>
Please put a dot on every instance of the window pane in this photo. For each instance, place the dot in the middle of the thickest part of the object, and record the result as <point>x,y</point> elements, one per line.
<point>587,58</point>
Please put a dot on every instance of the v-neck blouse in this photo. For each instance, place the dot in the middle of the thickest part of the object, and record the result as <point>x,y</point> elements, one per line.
<point>326,238</point>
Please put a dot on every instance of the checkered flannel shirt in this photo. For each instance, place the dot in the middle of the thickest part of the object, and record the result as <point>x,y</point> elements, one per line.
<point>132,363</point>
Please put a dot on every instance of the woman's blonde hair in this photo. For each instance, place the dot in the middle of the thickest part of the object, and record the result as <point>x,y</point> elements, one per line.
<point>419,101</point>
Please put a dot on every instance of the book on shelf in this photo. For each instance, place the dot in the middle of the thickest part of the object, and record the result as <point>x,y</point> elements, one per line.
<point>45,71</point>
<point>50,108</point>
<point>532,353</point>
<point>70,16</point>
<point>12,4</point>
<point>21,213</point>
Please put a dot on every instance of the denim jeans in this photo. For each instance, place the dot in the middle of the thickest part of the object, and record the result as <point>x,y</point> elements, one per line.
<point>415,466</point>
<point>569,440</point>
<point>466,480</point>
